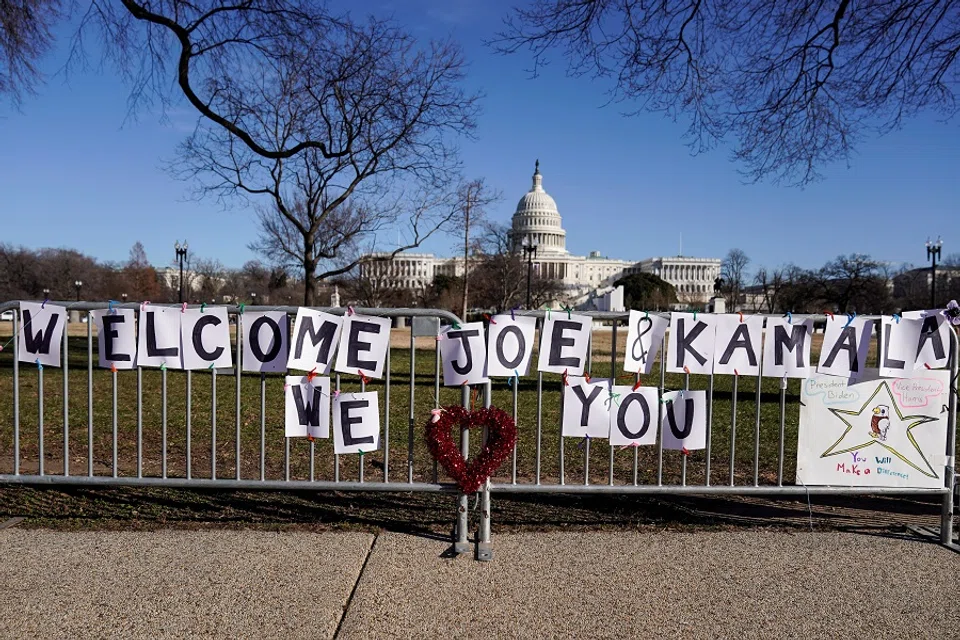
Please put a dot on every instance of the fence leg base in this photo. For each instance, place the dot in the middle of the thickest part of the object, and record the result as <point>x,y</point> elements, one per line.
<point>484,551</point>
<point>933,535</point>
<point>461,547</point>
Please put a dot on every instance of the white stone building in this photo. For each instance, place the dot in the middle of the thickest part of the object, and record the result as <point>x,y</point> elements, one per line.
<point>537,222</point>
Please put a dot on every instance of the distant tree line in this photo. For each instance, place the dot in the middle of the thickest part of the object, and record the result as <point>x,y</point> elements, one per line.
<point>854,283</point>
<point>33,274</point>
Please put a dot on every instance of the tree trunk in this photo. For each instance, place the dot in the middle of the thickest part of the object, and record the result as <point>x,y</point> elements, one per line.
<point>309,274</point>
<point>466,252</point>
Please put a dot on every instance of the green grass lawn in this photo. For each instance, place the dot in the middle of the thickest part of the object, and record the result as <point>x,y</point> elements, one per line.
<point>245,425</point>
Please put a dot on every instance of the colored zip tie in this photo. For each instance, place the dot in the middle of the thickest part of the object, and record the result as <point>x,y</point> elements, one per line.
<point>203,307</point>
<point>548,312</point>
<point>336,394</point>
<point>44,303</point>
<point>110,306</point>
<point>684,451</point>
<point>40,366</point>
<point>568,310</point>
<point>741,316</point>
<point>566,381</point>
<point>686,369</point>
<point>363,377</point>
<point>736,373</point>
<point>850,318</point>
<point>311,374</point>
<point>646,314</point>
<point>614,397</point>
<point>183,308</point>
<point>211,365</point>
<point>455,325</point>
<point>586,376</point>
<point>632,445</point>
<point>435,415</point>
<point>789,317</point>
<point>694,315</point>
<point>309,437</point>
<point>896,317</point>
<point>516,375</point>
<point>113,367</point>
<point>637,385</point>
<point>828,313</point>
<point>163,366</point>
<point>241,307</point>
<point>512,314</point>
<point>489,318</point>
<point>143,305</point>
<point>585,440</point>
<point>350,311</point>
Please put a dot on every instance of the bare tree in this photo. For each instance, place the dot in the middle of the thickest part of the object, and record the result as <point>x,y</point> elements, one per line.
<point>796,83</point>
<point>473,198</point>
<point>24,37</point>
<point>733,271</point>
<point>140,275</point>
<point>771,283</point>
<point>857,283</point>
<point>500,274</point>
<point>392,108</point>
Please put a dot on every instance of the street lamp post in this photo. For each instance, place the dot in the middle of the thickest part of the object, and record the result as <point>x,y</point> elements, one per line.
<point>181,250</point>
<point>78,284</point>
<point>530,250</point>
<point>253,299</point>
<point>46,294</point>
<point>124,296</point>
<point>933,252</point>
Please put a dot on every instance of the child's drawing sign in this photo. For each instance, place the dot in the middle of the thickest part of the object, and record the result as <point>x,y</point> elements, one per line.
<point>874,432</point>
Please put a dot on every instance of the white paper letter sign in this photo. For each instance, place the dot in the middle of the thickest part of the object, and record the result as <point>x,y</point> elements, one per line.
<point>633,416</point>
<point>691,343</point>
<point>564,341</point>
<point>205,336</point>
<point>586,408</point>
<point>41,329</point>
<point>685,420</point>
<point>786,348</point>
<point>464,355</point>
<point>307,406</point>
<point>315,336</point>
<point>898,346</point>
<point>934,343</point>
<point>845,346</point>
<point>116,337</point>
<point>738,344</point>
<point>363,345</point>
<point>158,337</point>
<point>264,341</point>
<point>509,345</point>
<point>356,423</point>
<point>644,337</point>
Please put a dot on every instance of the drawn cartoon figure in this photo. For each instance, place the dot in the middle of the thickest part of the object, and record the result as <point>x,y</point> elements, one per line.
<point>880,423</point>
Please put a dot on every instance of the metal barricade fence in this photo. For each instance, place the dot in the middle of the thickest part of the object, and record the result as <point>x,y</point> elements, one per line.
<point>150,430</point>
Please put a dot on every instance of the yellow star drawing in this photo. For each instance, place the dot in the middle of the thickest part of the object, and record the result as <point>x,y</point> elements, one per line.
<point>896,438</point>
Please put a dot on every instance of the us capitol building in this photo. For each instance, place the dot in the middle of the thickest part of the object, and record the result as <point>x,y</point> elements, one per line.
<point>536,222</point>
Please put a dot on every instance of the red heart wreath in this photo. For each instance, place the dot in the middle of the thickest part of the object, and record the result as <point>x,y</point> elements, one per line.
<point>501,436</point>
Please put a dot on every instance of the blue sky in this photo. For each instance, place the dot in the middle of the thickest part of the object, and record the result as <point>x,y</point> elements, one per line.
<point>75,172</point>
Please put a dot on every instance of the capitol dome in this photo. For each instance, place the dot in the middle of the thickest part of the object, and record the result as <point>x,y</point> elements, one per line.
<point>537,220</point>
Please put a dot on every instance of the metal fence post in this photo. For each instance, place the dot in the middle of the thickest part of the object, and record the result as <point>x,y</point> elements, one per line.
<point>461,544</point>
<point>484,546</point>
<point>946,514</point>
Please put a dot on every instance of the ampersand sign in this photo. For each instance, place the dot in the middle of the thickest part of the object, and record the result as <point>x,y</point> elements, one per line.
<point>501,436</point>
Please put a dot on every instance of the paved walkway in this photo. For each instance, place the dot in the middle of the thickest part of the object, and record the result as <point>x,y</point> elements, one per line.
<point>746,584</point>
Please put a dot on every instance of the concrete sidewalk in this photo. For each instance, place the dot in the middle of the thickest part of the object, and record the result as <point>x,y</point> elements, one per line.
<point>354,585</point>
